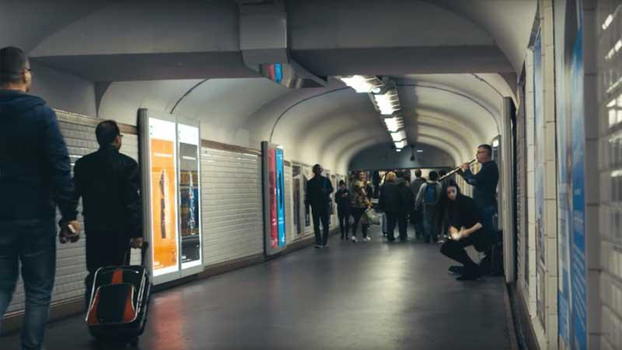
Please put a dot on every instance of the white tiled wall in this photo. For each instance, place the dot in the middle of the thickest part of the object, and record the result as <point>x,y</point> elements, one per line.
<point>231,203</point>
<point>610,164</point>
<point>70,259</point>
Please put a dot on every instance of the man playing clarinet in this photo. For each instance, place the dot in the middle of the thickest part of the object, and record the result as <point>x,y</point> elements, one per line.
<point>484,186</point>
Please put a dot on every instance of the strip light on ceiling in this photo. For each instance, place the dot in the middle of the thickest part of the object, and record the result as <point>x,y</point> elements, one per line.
<point>398,136</point>
<point>392,123</point>
<point>362,84</point>
<point>400,144</point>
<point>387,103</point>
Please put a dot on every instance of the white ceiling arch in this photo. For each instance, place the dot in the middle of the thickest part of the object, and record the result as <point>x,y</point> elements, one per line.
<point>106,41</point>
<point>469,135</point>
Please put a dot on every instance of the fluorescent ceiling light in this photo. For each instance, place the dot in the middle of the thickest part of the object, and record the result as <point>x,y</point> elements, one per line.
<point>495,143</point>
<point>419,151</point>
<point>607,22</point>
<point>387,103</point>
<point>398,135</point>
<point>388,110</point>
<point>361,84</point>
<point>392,124</point>
<point>618,45</point>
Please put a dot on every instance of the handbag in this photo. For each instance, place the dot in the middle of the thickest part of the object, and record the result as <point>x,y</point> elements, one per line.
<point>372,217</point>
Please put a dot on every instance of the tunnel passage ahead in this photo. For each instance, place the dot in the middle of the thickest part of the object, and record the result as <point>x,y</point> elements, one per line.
<point>349,296</point>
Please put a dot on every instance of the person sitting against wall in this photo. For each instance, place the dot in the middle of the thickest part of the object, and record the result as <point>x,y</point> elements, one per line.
<point>465,229</point>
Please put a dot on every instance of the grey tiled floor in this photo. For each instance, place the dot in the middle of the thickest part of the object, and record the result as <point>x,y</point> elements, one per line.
<point>370,295</point>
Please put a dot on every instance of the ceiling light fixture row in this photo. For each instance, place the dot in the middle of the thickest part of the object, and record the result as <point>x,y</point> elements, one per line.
<point>387,102</point>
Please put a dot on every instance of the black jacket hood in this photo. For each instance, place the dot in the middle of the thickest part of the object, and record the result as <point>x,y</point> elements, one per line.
<point>12,101</point>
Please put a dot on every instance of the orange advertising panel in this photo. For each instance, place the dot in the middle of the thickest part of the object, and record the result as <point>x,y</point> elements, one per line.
<point>163,206</point>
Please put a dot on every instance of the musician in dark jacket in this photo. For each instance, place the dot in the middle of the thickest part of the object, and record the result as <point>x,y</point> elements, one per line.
<point>109,184</point>
<point>484,185</point>
<point>465,228</point>
<point>318,193</point>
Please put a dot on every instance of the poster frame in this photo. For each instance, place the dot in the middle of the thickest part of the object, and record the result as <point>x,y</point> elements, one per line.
<point>271,199</point>
<point>144,116</point>
<point>194,268</point>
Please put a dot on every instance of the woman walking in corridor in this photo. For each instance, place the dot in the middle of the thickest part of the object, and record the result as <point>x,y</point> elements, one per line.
<point>360,203</point>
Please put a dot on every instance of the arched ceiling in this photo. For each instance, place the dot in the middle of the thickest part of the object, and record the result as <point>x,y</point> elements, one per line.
<point>382,156</point>
<point>453,61</point>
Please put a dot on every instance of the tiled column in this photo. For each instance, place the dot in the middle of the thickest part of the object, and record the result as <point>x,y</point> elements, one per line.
<point>549,340</point>
<point>592,187</point>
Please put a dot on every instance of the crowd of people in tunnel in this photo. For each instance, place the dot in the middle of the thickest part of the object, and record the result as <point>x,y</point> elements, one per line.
<point>35,178</point>
<point>435,206</point>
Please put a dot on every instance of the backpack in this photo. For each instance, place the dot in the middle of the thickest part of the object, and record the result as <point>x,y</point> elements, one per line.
<point>430,194</point>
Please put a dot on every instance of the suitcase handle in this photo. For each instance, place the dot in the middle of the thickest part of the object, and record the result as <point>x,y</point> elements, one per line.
<point>143,253</point>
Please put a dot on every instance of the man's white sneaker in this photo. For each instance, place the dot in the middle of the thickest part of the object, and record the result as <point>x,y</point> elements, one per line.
<point>353,239</point>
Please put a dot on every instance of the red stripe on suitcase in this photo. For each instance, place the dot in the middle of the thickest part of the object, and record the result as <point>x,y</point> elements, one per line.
<point>117,276</point>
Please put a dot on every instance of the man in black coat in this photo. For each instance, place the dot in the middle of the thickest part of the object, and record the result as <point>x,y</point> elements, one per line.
<point>317,194</point>
<point>35,178</point>
<point>484,186</point>
<point>396,200</point>
<point>109,184</point>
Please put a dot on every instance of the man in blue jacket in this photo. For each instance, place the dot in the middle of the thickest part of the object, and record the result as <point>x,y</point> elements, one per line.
<point>35,178</point>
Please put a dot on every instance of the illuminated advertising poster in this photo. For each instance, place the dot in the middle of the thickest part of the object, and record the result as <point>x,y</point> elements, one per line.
<point>163,179</point>
<point>189,195</point>
<point>280,195</point>
<point>274,198</point>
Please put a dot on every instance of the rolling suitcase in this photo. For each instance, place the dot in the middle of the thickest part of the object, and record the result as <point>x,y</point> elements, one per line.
<point>119,302</point>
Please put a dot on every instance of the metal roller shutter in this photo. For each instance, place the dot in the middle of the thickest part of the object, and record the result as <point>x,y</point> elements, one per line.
<point>289,208</point>
<point>232,205</point>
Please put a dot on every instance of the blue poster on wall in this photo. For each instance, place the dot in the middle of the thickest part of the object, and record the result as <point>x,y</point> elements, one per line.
<point>572,295</point>
<point>280,195</point>
<point>577,254</point>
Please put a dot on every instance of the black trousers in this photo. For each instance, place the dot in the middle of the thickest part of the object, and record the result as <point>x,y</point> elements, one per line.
<point>104,248</point>
<point>357,214</point>
<point>344,221</point>
<point>455,250</point>
<point>320,214</point>
<point>399,219</point>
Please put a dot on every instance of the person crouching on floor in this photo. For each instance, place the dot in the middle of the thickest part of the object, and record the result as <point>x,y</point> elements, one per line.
<point>465,229</point>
